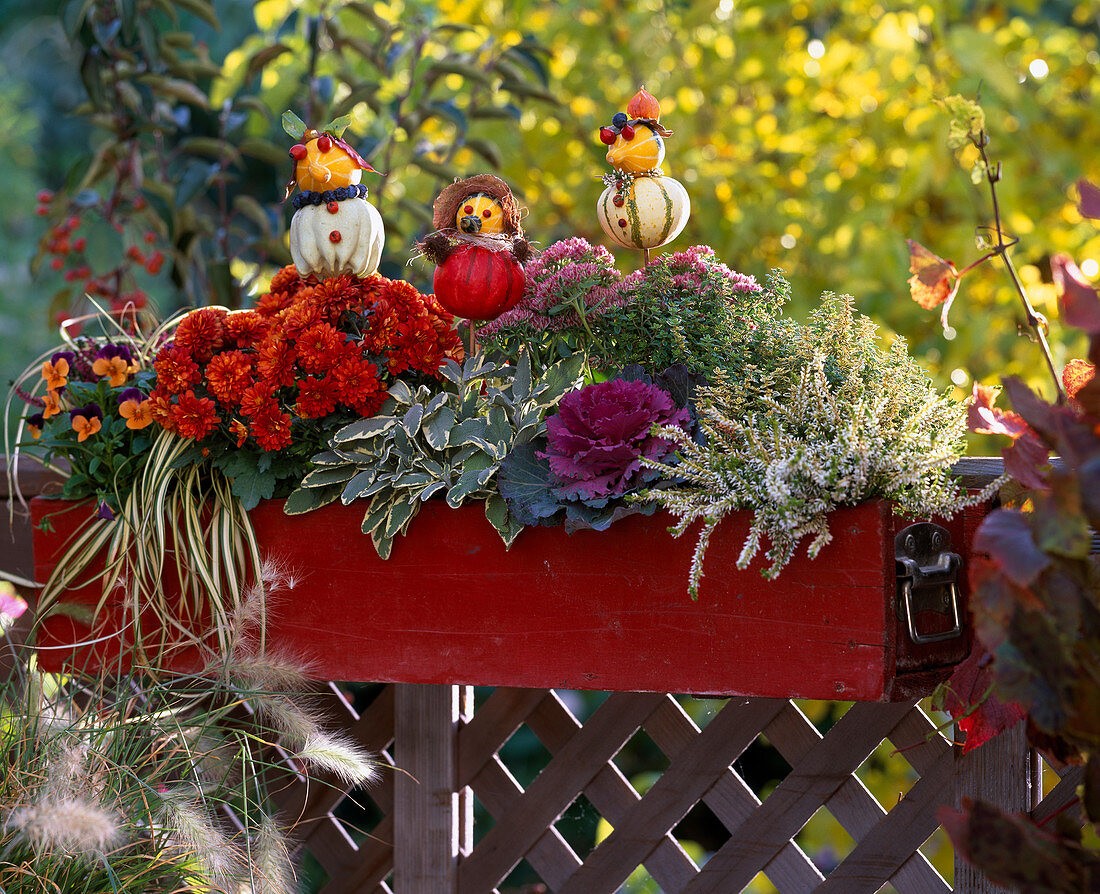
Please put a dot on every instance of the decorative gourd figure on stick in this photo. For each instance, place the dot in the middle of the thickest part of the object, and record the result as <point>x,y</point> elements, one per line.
<point>642,207</point>
<point>334,229</point>
<point>478,249</point>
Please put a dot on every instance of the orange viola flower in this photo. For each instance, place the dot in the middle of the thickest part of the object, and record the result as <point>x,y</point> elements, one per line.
<point>115,369</point>
<point>135,408</point>
<point>56,370</point>
<point>53,404</point>
<point>86,421</point>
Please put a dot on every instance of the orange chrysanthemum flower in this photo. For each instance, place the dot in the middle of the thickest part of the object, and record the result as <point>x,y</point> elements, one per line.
<point>201,333</point>
<point>256,398</point>
<point>276,364</point>
<point>356,378</point>
<point>317,397</point>
<point>318,347</point>
<point>194,416</point>
<point>160,408</point>
<point>299,317</point>
<point>271,429</point>
<point>286,281</point>
<point>337,294</point>
<point>246,328</point>
<point>228,374</point>
<point>176,371</point>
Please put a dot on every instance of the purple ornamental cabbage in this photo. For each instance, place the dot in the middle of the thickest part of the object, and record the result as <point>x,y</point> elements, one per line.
<point>601,432</point>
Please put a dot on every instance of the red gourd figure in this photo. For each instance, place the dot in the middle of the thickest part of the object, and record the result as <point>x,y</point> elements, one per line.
<point>478,248</point>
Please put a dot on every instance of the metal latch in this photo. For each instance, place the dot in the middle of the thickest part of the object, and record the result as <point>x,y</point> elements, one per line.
<point>928,579</point>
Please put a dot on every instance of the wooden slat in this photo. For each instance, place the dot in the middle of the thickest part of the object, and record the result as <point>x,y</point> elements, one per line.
<point>568,772</point>
<point>852,805</point>
<point>426,814</point>
<point>892,844</point>
<point>998,773</point>
<point>492,725</point>
<point>1061,796</point>
<point>550,856</point>
<point>811,782</point>
<point>680,787</point>
<point>731,800</point>
<point>612,795</point>
<point>372,863</point>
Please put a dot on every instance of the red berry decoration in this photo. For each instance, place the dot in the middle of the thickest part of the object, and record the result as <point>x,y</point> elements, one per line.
<point>622,222</point>
<point>478,283</point>
<point>607,135</point>
<point>334,236</point>
<point>618,200</point>
<point>627,132</point>
<point>324,142</point>
<point>298,151</point>
<point>333,207</point>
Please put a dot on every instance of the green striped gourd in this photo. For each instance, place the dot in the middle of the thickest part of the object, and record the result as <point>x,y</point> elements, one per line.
<point>653,211</point>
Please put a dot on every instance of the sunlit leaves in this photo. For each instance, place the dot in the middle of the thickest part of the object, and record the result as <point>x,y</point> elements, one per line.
<point>934,281</point>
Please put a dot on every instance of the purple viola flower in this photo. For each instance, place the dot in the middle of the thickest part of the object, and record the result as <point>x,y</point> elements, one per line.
<point>133,394</point>
<point>67,356</point>
<point>91,411</point>
<point>37,420</point>
<point>601,433</point>
<point>110,351</point>
<point>104,511</point>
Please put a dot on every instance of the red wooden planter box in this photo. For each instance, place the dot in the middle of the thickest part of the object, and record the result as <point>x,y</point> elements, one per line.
<point>606,611</point>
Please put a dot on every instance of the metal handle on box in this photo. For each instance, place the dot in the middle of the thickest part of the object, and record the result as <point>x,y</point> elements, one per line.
<point>928,574</point>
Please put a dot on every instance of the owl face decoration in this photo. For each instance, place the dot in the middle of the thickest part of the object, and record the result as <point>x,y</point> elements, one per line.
<point>479,214</point>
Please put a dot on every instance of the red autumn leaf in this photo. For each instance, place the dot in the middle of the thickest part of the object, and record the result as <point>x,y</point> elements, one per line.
<point>1006,536</point>
<point>355,156</point>
<point>968,698</point>
<point>1026,461</point>
<point>934,280</point>
<point>1079,300</point>
<point>985,419</point>
<point>1076,375</point>
<point>1090,199</point>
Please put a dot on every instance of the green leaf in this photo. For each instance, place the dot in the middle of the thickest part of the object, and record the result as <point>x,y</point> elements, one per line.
<point>337,126</point>
<point>204,9</point>
<point>1059,520</point>
<point>401,392</point>
<point>364,429</point>
<point>328,475</point>
<point>524,480</point>
<point>521,378</point>
<point>263,57</point>
<point>470,431</point>
<point>402,512</point>
<point>437,429</point>
<point>293,125</point>
<point>305,500</point>
<point>560,378</point>
<point>253,486</point>
<point>411,420</point>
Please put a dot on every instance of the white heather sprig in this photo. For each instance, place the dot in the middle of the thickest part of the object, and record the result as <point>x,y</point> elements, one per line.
<point>857,424</point>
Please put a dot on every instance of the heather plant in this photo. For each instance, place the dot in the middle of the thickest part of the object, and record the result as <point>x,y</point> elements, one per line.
<point>120,783</point>
<point>845,422</point>
<point>686,308</point>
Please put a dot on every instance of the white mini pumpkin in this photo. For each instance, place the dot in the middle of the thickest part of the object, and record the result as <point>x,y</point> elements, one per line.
<point>340,237</point>
<point>653,211</point>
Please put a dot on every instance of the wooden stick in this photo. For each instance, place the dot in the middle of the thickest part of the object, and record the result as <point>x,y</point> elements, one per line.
<point>471,346</point>
<point>645,257</point>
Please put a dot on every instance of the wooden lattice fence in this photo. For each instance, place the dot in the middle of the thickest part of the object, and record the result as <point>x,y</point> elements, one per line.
<point>450,755</point>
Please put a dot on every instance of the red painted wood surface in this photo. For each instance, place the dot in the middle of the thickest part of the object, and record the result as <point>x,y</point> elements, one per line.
<point>605,611</point>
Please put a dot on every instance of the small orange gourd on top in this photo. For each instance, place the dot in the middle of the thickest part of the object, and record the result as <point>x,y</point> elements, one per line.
<point>334,229</point>
<point>642,207</point>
